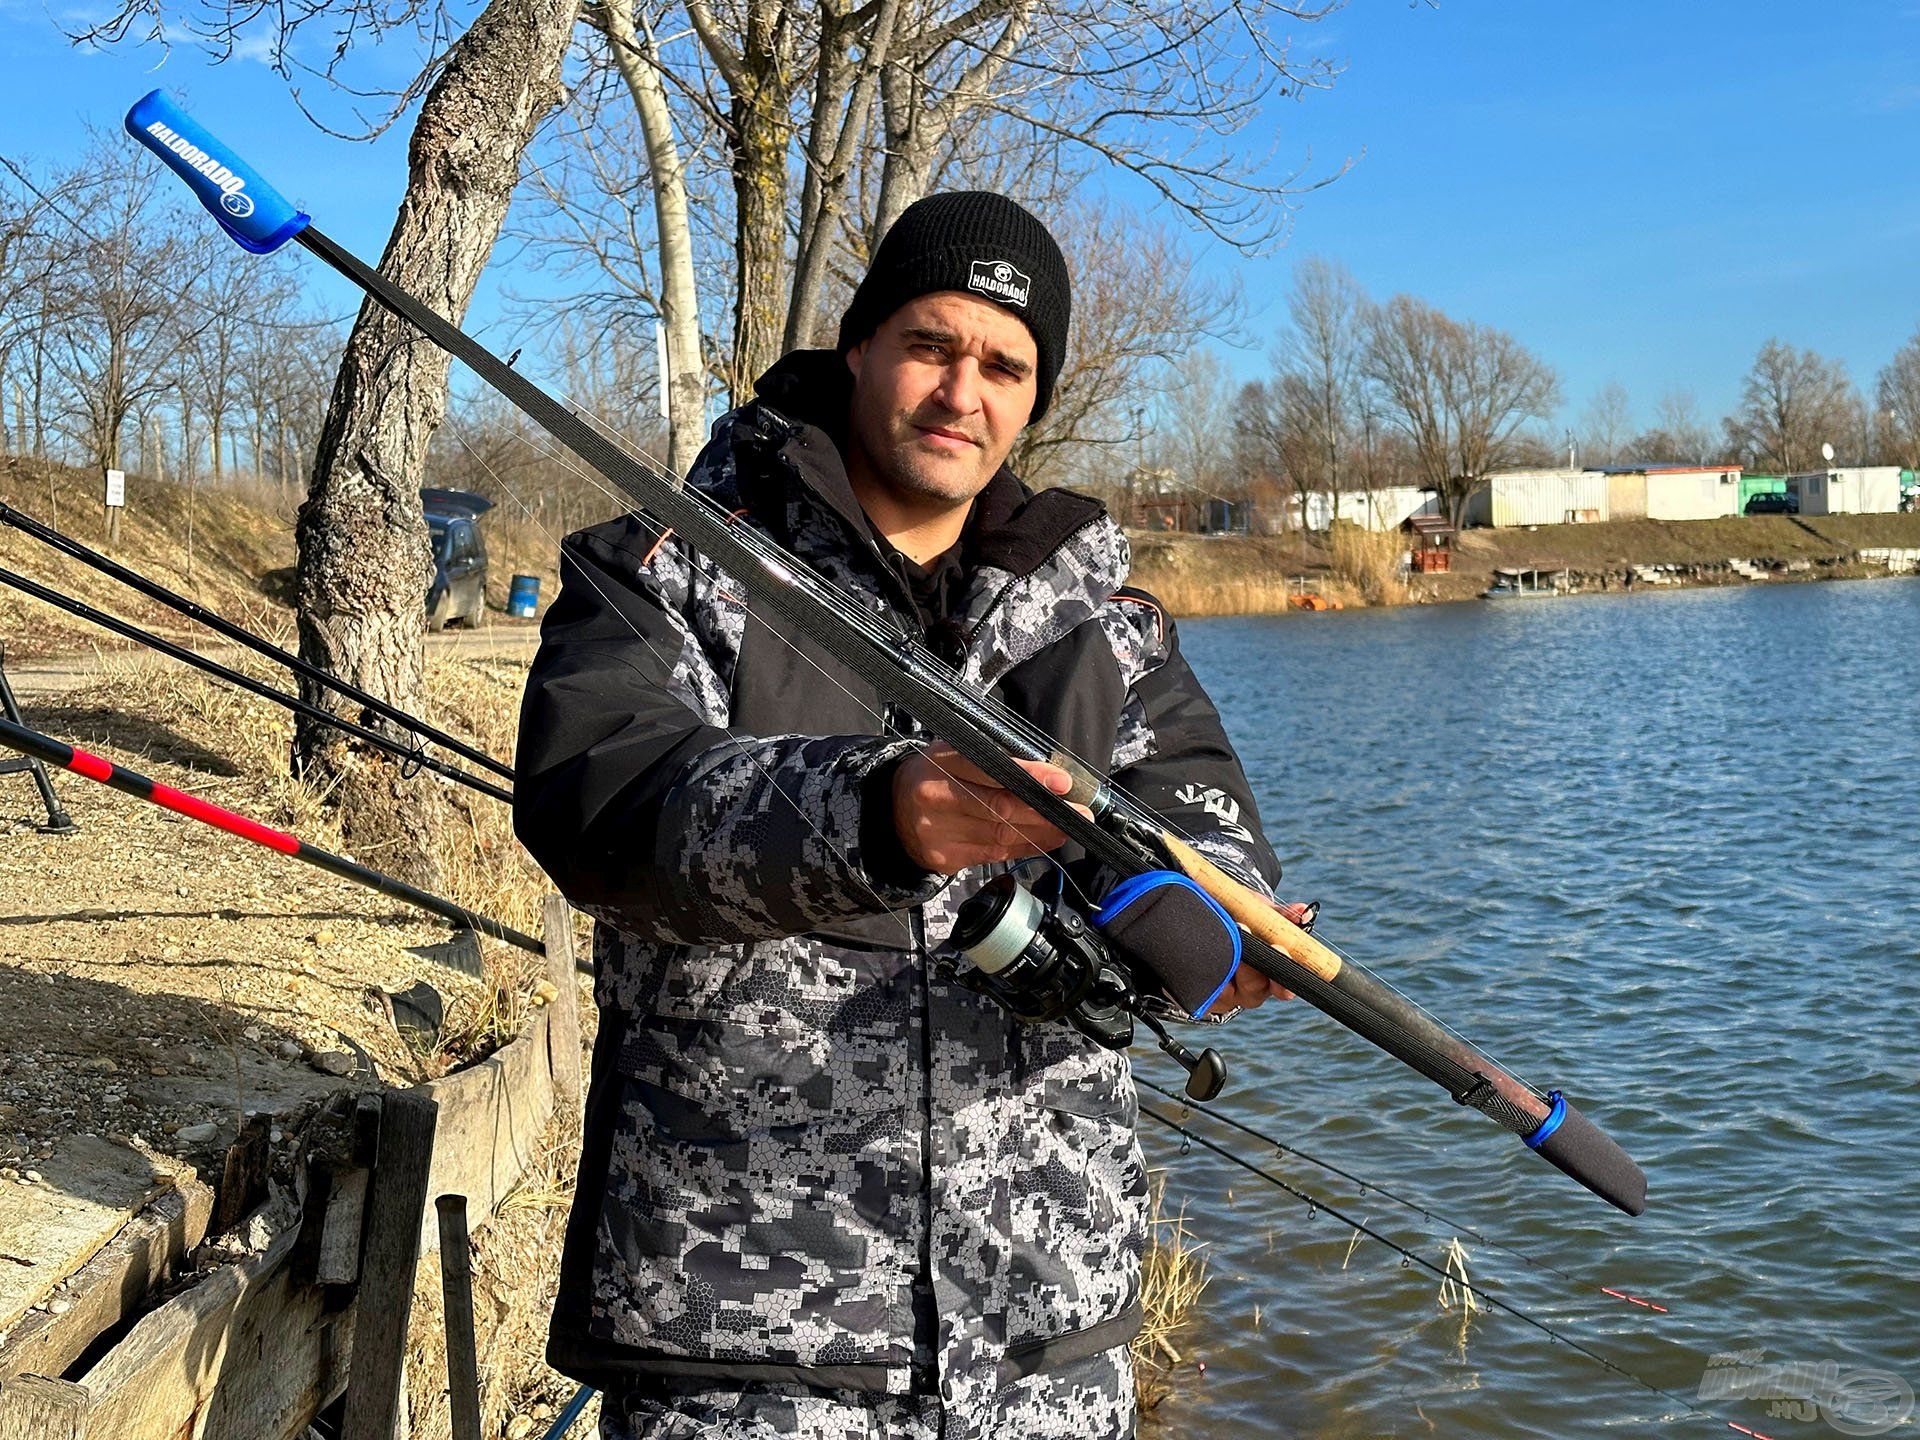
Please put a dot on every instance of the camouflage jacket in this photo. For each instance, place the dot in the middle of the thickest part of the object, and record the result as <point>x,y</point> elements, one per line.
<point>809,1154</point>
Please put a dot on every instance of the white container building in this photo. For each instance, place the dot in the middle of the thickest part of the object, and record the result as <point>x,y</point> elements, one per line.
<point>1387,508</point>
<point>1856,490</point>
<point>1692,492</point>
<point>1539,497</point>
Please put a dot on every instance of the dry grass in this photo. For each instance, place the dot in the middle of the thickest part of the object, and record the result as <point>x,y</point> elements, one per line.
<point>243,551</point>
<point>485,867</point>
<point>1369,562</point>
<point>1173,1274</point>
<point>478,698</point>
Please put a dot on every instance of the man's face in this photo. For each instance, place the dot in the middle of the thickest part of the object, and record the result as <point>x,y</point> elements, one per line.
<point>940,393</point>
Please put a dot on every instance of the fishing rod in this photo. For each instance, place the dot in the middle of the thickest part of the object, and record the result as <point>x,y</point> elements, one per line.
<point>220,625</point>
<point>412,755</point>
<point>1024,953</point>
<point>142,787</point>
<point>1374,1187</point>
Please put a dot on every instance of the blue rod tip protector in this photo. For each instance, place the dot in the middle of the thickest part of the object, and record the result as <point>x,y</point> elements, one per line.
<point>255,215</point>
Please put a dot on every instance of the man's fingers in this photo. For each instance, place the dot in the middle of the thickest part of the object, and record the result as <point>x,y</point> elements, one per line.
<point>955,766</point>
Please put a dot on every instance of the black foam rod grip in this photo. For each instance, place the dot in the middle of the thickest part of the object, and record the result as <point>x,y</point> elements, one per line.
<point>1580,1148</point>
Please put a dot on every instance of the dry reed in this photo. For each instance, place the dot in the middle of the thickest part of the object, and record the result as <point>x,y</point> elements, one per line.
<point>1369,561</point>
<point>1172,1275</point>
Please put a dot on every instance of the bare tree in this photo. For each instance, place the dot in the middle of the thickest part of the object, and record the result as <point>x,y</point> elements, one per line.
<point>1257,457</point>
<point>1320,353</point>
<point>364,564</point>
<point>1196,440</point>
<point>1137,307</point>
<point>1460,393</point>
<point>1606,425</point>
<point>1898,393</point>
<point>1678,433</point>
<point>798,95</point>
<point>29,262</point>
<point>114,323</point>
<point>1792,402</point>
<point>1498,385</point>
<point>635,54</point>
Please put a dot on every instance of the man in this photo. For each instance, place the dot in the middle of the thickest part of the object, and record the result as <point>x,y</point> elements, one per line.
<point>825,1189</point>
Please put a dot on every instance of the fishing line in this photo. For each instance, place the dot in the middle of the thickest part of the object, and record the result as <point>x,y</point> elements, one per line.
<point>1367,1186</point>
<point>1410,1257</point>
<point>750,751</point>
<point>907,674</point>
<point>886,727</point>
<point>984,707</point>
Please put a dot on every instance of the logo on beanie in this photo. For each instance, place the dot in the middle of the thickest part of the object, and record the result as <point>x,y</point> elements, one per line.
<point>997,280</point>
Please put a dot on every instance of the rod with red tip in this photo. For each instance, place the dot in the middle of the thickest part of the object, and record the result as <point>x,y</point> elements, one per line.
<point>143,787</point>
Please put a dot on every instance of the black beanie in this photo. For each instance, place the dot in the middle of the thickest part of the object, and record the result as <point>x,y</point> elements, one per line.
<point>979,243</point>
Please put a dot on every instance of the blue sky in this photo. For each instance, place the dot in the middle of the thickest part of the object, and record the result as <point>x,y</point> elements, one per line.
<point>1642,192</point>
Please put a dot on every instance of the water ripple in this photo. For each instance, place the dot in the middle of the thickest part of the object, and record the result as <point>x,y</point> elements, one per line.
<point>1660,850</point>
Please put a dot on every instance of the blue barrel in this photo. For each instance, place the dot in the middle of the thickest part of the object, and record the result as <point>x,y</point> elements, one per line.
<point>523,596</point>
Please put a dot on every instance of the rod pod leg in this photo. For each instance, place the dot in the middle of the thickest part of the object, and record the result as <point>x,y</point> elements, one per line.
<point>58,821</point>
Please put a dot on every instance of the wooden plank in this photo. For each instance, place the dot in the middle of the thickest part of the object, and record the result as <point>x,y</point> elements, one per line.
<point>341,1228</point>
<point>397,1198</point>
<point>246,1354</point>
<point>113,1284</point>
<point>456,1295</point>
<point>91,1189</point>
<point>33,1407</point>
<point>491,1119</point>
<point>563,1029</point>
<point>243,1178</point>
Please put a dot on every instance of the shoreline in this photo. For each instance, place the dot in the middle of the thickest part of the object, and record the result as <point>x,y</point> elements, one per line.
<point>1197,576</point>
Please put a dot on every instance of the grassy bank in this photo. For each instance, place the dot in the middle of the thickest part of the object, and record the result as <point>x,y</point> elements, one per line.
<point>1250,575</point>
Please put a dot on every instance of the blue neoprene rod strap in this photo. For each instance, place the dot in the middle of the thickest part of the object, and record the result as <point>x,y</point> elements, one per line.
<point>257,216</point>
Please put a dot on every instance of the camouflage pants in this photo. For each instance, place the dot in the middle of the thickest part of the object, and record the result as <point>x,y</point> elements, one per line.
<point>1089,1399</point>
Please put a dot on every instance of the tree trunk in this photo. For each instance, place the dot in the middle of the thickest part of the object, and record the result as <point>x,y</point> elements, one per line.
<point>840,118</point>
<point>762,130</point>
<point>686,381</point>
<point>364,563</point>
<point>909,150</point>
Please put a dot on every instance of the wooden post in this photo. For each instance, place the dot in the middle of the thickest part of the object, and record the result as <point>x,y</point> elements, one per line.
<point>456,1291</point>
<point>397,1198</point>
<point>563,1028</point>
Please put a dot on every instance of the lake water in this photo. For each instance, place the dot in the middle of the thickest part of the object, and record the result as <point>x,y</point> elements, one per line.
<point>1662,851</point>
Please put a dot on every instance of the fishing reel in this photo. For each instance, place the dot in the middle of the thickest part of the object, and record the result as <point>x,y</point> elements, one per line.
<point>1042,960</point>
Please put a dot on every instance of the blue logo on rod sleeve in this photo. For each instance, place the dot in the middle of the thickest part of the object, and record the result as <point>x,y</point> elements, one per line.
<point>256,216</point>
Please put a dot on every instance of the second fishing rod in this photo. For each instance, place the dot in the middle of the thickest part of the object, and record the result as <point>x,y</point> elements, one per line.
<point>411,755</point>
<point>1132,843</point>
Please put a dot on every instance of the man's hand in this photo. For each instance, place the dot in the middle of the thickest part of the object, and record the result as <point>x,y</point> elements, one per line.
<point>950,815</point>
<point>1250,989</point>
